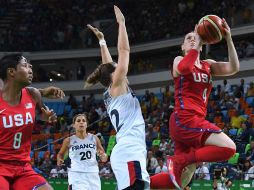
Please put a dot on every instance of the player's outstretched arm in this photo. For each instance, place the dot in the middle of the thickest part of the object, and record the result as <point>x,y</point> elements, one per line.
<point>46,114</point>
<point>52,92</point>
<point>105,54</point>
<point>123,49</point>
<point>100,150</point>
<point>220,68</point>
<point>64,148</point>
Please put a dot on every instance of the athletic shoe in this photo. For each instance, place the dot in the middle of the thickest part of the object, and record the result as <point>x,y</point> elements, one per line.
<point>175,165</point>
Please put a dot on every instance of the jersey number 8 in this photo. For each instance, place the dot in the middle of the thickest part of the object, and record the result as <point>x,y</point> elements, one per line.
<point>17,140</point>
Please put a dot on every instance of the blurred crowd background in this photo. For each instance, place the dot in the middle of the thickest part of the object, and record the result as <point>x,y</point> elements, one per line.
<point>46,25</point>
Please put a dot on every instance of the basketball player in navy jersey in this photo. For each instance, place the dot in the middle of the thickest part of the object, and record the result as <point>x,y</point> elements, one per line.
<point>17,118</point>
<point>128,158</point>
<point>82,147</point>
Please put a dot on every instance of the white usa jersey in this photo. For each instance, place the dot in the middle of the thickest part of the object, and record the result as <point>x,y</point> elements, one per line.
<point>82,153</point>
<point>125,115</point>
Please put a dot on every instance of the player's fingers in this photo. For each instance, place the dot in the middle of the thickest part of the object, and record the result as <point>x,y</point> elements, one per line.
<point>90,27</point>
<point>196,28</point>
<point>225,23</point>
<point>94,29</point>
<point>61,93</point>
<point>52,118</point>
<point>116,9</point>
<point>43,110</point>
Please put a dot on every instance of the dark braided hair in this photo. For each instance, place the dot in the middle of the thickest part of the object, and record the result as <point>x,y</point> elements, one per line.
<point>102,74</point>
<point>9,61</point>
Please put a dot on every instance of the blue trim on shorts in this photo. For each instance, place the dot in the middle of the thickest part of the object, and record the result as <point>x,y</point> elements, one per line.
<point>137,168</point>
<point>41,184</point>
<point>180,92</point>
<point>193,128</point>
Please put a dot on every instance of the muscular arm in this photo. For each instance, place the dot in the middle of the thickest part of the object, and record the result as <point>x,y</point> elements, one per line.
<point>64,148</point>
<point>36,94</point>
<point>52,92</point>
<point>105,54</point>
<point>46,115</point>
<point>220,68</point>
<point>232,66</point>
<point>123,50</point>
<point>185,65</point>
<point>103,156</point>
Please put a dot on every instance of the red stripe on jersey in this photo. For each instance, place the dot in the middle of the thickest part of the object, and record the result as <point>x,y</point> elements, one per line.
<point>132,173</point>
<point>193,90</point>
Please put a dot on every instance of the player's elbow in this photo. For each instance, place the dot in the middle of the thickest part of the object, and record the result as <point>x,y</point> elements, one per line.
<point>124,50</point>
<point>235,70</point>
<point>235,67</point>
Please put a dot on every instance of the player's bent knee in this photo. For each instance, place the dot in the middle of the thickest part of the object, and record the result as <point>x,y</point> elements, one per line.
<point>229,152</point>
<point>232,146</point>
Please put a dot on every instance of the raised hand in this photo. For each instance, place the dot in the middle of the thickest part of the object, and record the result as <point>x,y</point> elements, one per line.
<point>48,115</point>
<point>198,39</point>
<point>52,92</point>
<point>119,15</point>
<point>97,32</point>
<point>227,29</point>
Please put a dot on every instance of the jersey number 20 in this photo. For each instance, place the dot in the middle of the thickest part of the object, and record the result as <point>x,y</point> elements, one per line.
<point>86,155</point>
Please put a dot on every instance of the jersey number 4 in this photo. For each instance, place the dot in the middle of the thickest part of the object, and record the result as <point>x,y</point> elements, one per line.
<point>204,95</point>
<point>86,155</point>
<point>116,114</point>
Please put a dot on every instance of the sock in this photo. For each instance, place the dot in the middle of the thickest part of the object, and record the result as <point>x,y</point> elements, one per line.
<point>213,154</point>
<point>161,181</point>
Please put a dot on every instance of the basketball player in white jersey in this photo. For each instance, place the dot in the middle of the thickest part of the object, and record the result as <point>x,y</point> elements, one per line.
<point>83,173</point>
<point>128,158</point>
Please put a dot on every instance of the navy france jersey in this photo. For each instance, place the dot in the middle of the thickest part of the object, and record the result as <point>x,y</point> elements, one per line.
<point>125,115</point>
<point>82,153</point>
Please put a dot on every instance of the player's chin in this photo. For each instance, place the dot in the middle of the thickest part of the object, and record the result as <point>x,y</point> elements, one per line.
<point>26,83</point>
<point>29,80</point>
<point>82,128</point>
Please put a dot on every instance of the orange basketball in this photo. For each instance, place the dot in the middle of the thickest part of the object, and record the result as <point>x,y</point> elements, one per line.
<point>211,29</point>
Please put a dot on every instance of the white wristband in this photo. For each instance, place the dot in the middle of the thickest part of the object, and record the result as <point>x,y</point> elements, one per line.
<point>102,42</point>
